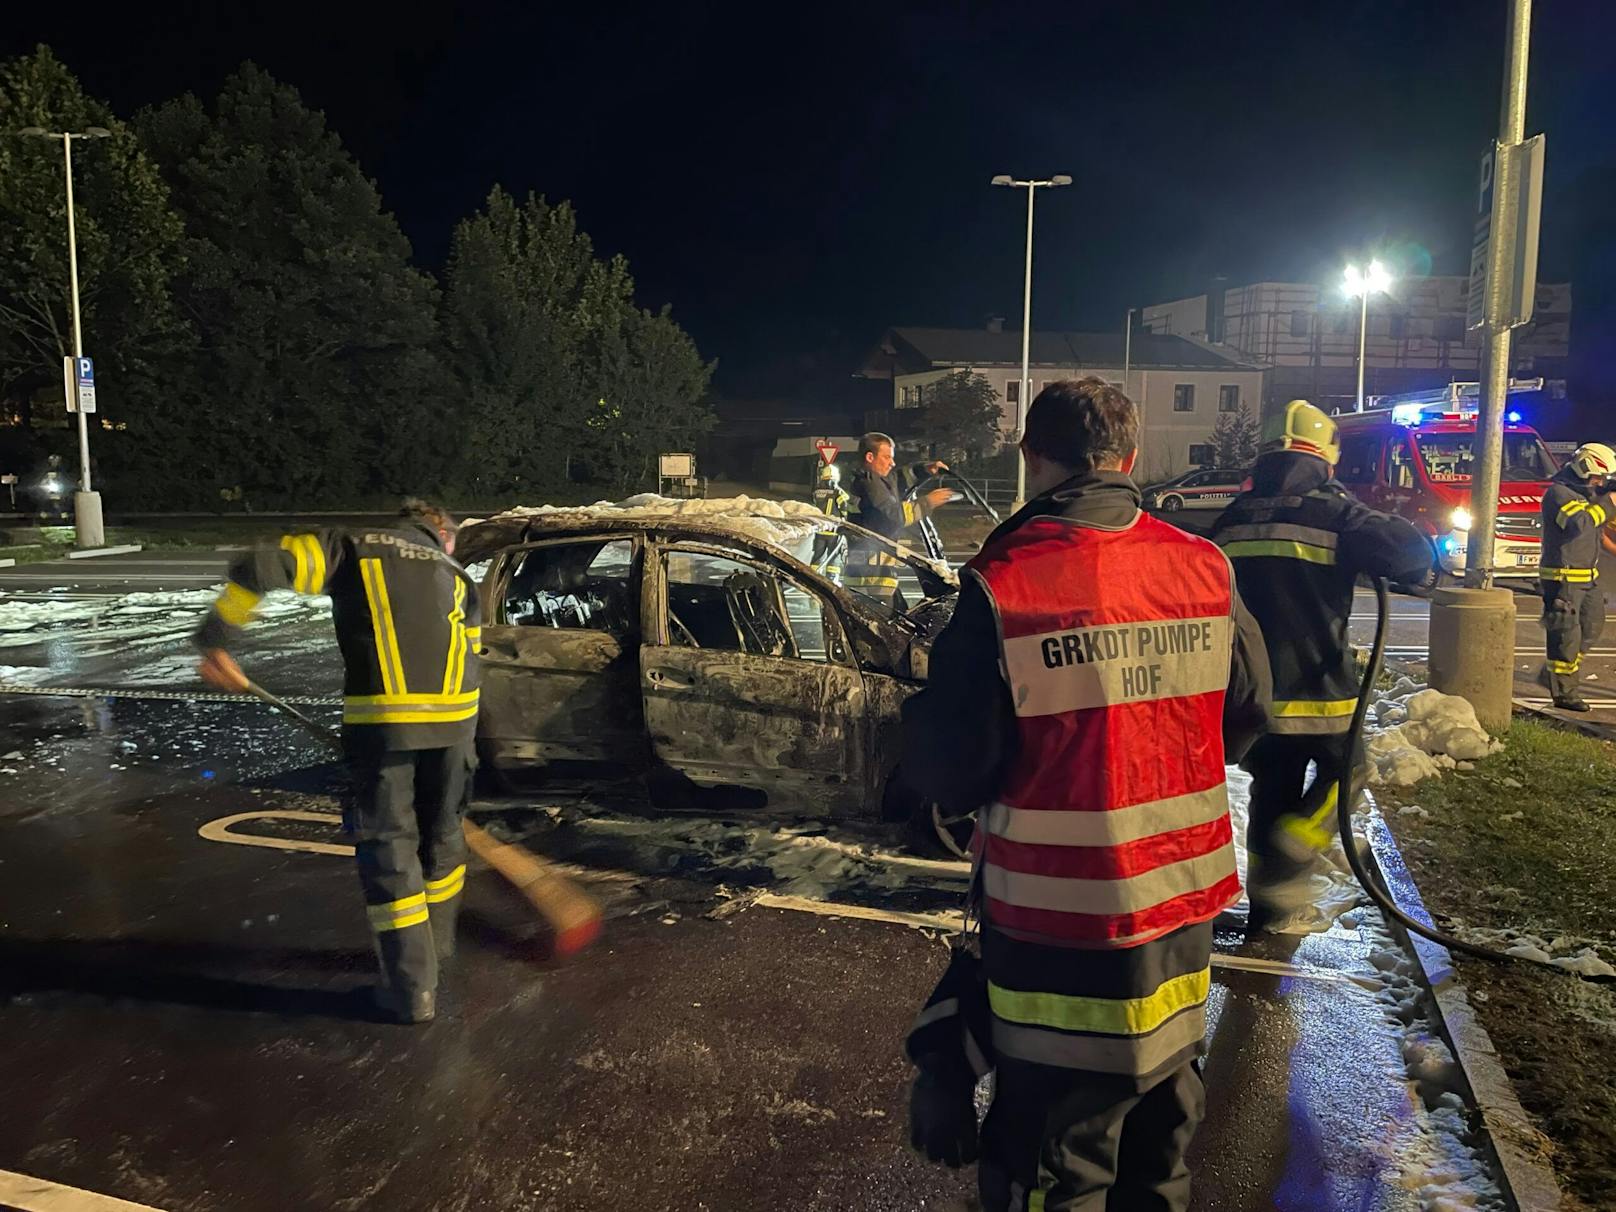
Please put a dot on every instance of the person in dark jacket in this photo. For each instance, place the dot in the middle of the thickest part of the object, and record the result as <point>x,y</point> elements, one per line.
<point>1575,510</point>
<point>1098,672</point>
<point>880,505</point>
<point>406,618</point>
<point>1299,543</point>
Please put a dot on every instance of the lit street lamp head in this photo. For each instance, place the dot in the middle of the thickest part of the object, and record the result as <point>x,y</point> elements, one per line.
<point>1060,179</point>
<point>1377,279</point>
<point>1001,179</point>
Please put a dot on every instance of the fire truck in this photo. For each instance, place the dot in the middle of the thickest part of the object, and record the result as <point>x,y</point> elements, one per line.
<point>1413,454</point>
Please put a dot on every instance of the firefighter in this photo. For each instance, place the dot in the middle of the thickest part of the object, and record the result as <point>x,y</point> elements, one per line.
<point>1575,510</point>
<point>834,501</point>
<point>1098,672</point>
<point>1299,543</point>
<point>407,624</point>
<point>879,505</point>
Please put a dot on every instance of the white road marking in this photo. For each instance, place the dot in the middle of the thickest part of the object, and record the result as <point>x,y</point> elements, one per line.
<point>219,831</point>
<point>91,553</point>
<point>41,1195</point>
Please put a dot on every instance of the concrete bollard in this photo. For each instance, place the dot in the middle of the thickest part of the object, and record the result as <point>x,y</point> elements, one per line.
<point>88,530</point>
<point>1473,651</point>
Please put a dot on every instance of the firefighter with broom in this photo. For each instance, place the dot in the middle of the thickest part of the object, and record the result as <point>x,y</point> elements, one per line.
<point>407,624</point>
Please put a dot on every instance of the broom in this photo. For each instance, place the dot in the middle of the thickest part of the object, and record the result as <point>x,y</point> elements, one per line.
<point>571,913</point>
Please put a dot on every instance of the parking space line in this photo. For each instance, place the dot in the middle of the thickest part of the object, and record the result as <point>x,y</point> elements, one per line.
<point>220,831</point>
<point>41,1195</point>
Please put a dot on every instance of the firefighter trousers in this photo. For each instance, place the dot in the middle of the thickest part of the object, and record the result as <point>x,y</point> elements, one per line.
<point>1290,818</point>
<point>1066,1140</point>
<point>1574,619</point>
<point>405,821</point>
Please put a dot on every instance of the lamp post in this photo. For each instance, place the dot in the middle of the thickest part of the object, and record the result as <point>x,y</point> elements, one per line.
<point>1032,188</point>
<point>1363,283</point>
<point>87,527</point>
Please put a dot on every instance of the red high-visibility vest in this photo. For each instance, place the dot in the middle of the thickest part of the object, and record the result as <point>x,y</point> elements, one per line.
<point>1112,828</point>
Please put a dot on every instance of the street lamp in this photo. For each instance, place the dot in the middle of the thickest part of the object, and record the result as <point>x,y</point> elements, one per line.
<point>1032,188</point>
<point>1361,284</point>
<point>88,530</point>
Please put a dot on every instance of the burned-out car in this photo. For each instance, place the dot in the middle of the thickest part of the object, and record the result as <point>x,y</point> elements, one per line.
<point>696,650</point>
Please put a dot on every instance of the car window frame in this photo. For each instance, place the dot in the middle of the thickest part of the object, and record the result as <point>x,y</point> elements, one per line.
<point>506,561</point>
<point>661,546</point>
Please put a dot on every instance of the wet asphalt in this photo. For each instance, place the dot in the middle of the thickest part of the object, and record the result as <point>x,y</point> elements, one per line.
<point>183,1021</point>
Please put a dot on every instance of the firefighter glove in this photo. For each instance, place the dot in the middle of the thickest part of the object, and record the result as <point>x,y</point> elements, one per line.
<point>942,1115</point>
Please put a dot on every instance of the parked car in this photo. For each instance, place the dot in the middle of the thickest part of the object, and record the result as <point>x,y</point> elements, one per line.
<point>695,650</point>
<point>1202,489</point>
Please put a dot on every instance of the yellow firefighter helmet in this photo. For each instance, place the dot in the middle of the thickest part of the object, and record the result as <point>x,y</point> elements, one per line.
<point>1303,429</point>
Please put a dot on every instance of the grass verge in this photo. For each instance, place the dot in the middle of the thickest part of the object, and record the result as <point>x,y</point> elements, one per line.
<point>1527,841</point>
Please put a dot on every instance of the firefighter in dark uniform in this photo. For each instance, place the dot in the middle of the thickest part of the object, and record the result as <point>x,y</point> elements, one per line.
<point>1575,510</point>
<point>1299,543</point>
<point>407,624</point>
<point>1098,672</point>
<point>834,501</point>
<point>878,493</point>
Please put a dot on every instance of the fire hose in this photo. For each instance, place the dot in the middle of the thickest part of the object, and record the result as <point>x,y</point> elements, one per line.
<point>1346,792</point>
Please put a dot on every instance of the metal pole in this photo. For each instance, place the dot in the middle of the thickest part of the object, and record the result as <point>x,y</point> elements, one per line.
<point>78,331</point>
<point>1363,330</point>
<point>1127,350</point>
<point>1479,553</point>
<point>1026,350</point>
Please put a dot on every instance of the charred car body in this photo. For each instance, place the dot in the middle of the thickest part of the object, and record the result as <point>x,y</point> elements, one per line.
<point>697,650</point>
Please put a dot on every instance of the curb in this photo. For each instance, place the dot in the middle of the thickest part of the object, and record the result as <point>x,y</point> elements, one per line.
<point>1597,729</point>
<point>1516,1142</point>
<point>90,553</point>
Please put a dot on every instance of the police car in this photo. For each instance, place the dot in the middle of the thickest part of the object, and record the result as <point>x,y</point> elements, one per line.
<point>1202,489</point>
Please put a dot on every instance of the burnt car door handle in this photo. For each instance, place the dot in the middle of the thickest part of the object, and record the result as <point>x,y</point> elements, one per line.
<point>668,677</point>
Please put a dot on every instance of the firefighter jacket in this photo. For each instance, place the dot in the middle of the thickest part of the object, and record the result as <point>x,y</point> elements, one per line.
<point>407,624</point>
<point>1574,511</point>
<point>833,501</point>
<point>878,505</point>
<point>1298,543</point>
<point>1099,672</point>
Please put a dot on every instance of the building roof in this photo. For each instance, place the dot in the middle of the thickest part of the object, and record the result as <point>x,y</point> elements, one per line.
<point>909,350</point>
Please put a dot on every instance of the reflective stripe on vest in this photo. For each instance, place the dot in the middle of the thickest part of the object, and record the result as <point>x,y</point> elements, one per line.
<point>1279,540</point>
<point>1312,717</point>
<point>1113,828</point>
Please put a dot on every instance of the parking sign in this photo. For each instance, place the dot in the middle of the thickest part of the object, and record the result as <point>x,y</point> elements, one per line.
<point>78,384</point>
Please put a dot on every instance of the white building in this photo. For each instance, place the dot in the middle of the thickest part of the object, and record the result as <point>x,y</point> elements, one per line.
<point>1180,385</point>
<point>1307,335</point>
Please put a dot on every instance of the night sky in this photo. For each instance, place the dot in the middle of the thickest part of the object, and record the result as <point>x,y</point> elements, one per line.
<point>793,184</point>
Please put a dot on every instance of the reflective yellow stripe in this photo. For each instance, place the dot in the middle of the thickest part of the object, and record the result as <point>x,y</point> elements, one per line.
<point>1103,1015</point>
<point>910,512</point>
<point>308,558</point>
<point>454,667</point>
<point>1570,510</point>
<point>1565,667</point>
<point>1314,831</point>
<point>1597,513</point>
<point>410,700</point>
<point>396,915</point>
<point>402,715</point>
<point>237,604</point>
<point>1317,708</point>
<point>447,888</point>
<point>381,619</point>
<point>872,582</point>
<point>1282,549</point>
<point>1035,1202</point>
<point>1571,576</point>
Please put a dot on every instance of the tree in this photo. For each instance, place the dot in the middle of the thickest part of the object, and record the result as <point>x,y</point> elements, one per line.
<point>962,415</point>
<point>1234,439</point>
<point>560,375</point>
<point>653,398</point>
<point>318,379</point>
<point>128,253</point>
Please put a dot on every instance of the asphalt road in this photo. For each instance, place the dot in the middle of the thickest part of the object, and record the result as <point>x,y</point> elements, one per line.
<point>183,1022</point>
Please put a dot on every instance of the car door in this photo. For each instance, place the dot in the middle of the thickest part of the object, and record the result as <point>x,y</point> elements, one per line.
<point>749,684</point>
<point>560,652</point>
